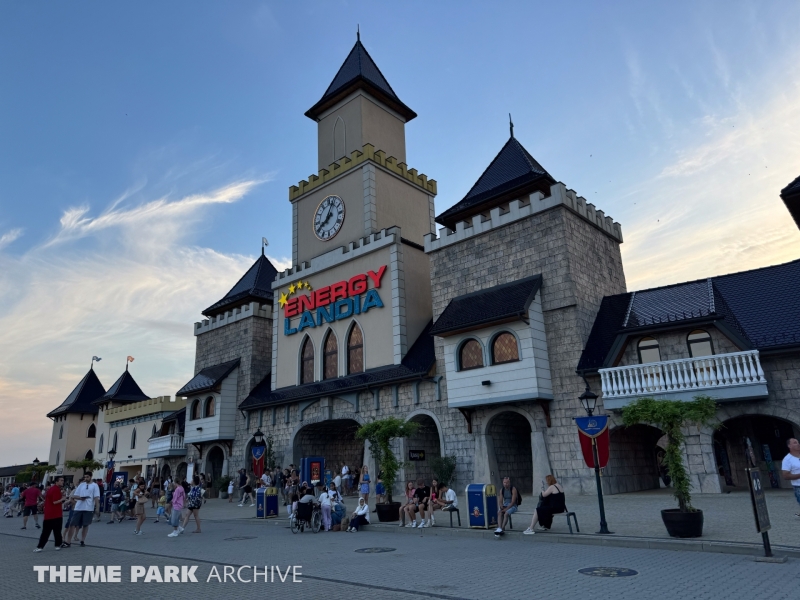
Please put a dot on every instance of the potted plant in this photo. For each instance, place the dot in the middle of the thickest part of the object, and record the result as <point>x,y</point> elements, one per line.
<point>222,486</point>
<point>671,416</point>
<point>380,434</point>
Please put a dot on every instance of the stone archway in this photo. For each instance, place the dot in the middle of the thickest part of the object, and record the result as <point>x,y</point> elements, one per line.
<point>335,440</point>
<point>180,472</point>
<point>166,472</point>
<point>215,459</point>
<point>633,462</point>
<point>427,440</point>
<point>510,435</point>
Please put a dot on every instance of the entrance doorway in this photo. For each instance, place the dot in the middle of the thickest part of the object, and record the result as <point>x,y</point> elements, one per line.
<point>425,442</point>
<point>166,472</point>
<point>335,441</point>
<point>634,462</point>
<point>214,461</point>
<point>180,472</point>
<point>511,438</point>
<point>751,441</point>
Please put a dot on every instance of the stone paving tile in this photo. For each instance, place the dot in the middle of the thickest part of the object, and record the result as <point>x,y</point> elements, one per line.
<point>432,566</point>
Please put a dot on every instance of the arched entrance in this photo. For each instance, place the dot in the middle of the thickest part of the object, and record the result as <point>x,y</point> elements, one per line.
<point>214,462</point>
<point>425,442</point>
<point>634,460</point>
<point>166,472</point>
<point>510,433</point>
<point>751,441</point>
<point>180,472</point>
<point>334,440</point>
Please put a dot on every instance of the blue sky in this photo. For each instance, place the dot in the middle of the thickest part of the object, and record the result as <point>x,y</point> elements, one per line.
<point>145,148</point>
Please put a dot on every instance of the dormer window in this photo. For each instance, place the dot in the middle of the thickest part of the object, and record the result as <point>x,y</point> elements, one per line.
<point>470,355</point>
<point>699,342</point>
<point>648,351</point>
<point>504,349</point>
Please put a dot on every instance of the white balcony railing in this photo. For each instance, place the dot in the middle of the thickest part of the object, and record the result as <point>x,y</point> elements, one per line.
<point>166,444</point>
<point>699,375</point>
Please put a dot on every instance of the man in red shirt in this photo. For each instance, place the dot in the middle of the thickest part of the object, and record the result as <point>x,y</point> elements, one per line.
<point>31,498</point>
<point>52,515</point>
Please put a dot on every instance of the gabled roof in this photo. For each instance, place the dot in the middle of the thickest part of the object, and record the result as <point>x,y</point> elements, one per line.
<point>80,399</point>
<point>791,198</point>
<point>511,171</point>
<point>208,378</point>
<point>125,390</point>
<point>760,307</point>
<point>256,284</point>
<point>498,304</point>
<point>417,363</point>
<point>359,71</point>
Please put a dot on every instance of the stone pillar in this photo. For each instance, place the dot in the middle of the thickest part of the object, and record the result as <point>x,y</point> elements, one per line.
<point>698,456</point>
<point>541,461</point>
<point>485,469</point>
<point>225,467</point>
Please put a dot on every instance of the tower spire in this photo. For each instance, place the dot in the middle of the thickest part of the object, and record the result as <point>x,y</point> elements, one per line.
<point>358,32</point>
<point>510,125</point>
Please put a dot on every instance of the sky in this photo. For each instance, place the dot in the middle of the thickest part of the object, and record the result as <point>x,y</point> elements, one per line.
<point>146,148</point>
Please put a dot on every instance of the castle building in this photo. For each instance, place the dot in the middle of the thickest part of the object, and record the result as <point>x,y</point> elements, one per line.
<point>479,324</point>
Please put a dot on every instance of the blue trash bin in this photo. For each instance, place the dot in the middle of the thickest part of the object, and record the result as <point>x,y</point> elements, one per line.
<point>482,505</point>
<point>270,503</point>
<point>261,503</point>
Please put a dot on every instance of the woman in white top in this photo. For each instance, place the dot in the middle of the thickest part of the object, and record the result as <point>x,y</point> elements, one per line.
<point>325,503</point>
<point>360,516</point>
<point>346,479</point>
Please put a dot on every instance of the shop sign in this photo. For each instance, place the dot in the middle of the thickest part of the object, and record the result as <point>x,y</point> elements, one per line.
<point>593,431</point>
<point>332,303</point>
<point>759,500</point>
<point>416,455</point>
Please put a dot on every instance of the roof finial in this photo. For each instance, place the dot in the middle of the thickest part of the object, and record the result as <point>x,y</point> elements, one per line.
<point>358,32</point>
<point>511,125</point>
<point>264,244</point>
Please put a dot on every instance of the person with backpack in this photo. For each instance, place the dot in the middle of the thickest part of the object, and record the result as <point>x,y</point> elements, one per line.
<point>511,499</point>
<point>194,502</point>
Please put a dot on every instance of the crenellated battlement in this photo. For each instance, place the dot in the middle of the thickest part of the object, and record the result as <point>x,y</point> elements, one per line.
<point>251,309</point>
<point>521,208</point>
<point>358,157</point>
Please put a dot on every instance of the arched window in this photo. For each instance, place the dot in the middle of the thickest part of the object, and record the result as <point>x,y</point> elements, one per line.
<point>195,410</point>
<point>209,410</point>
<point>92,431</point>
<point>330,357</point>
<point>114,444</point>
<point>133,438</point>
<point>700,344</point>
<point>58,457</point>
<point>648,350</point>
<point>504,349</point>
<point>100,445</point>
<point>355,350</point>
<point>470,355</point>
<point>61,432</point>
<point>307,361</point>
<point>89,455</point>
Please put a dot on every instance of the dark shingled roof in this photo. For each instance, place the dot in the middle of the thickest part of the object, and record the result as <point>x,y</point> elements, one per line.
<point>179,416</point>
<point>498,304</point>
<point>208,378</point>
<point>511,170</point>
<point>125,390</point>
<point>761,306</point>
<point>80,399</point>
<point>791,198</point>
<point>359,71</point>
<point>256,284</point>
<point>418,361</point>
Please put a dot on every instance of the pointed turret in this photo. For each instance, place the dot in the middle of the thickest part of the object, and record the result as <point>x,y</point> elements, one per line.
<point>81,398</point>
<point>124,391</point>
<point>255,285</point>
<point>359,71</point>
<point>791,198</point>
<point>512,173</point>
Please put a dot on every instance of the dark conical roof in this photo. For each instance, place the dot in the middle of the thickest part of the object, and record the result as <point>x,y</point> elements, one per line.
<point>359,71</point>
<point>124,390</point>
<point>791,198</point>
<point>80,400</point>
<point>511,170</point>
<point>255,284</point>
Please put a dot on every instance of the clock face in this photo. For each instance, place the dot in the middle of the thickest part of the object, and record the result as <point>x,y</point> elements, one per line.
<point>329,218</point>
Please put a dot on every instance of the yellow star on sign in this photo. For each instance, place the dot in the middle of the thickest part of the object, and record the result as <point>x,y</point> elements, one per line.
<point>308,286</point>
<point>291,289</point>
<point>283,299</point>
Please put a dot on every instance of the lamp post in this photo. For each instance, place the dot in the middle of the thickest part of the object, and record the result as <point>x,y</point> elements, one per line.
<point>35,473</point>
<point>589,402</point>
<point>258,436</point>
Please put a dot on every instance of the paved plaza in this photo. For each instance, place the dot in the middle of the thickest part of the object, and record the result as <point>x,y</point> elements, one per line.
<point>421,563</point>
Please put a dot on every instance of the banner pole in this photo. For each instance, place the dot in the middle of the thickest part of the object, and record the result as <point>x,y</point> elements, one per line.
<point>603,524</point>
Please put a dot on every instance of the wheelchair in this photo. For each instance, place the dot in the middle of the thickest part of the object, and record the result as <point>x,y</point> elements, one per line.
<point>307,515</point>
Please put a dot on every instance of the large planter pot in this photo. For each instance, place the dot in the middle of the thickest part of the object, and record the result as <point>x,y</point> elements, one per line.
<point>388,512</point>
<point>683,524</point>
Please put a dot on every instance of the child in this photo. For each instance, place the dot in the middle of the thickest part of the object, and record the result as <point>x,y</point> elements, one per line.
<point>162,503</point>
<point>230,491</point>
<point>380,491</point>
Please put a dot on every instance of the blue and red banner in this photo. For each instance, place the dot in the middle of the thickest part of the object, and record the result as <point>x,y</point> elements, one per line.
<point>594,430</point>
<point>258,459</point>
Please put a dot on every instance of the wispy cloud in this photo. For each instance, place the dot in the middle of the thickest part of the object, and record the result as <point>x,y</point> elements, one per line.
<point>122,282</point>
<point>9,237</point>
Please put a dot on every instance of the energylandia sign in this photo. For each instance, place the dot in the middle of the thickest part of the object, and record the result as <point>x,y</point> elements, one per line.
<point>338,301</point>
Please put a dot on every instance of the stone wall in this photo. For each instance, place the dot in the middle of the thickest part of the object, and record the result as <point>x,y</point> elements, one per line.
<point>511,440</point>
<point>632,464</point>
<point>427,440</point>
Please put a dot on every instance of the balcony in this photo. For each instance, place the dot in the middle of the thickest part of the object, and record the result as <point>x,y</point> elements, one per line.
<point>166,445</point>
<point>724,377</point>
